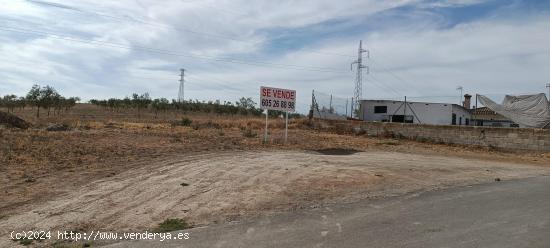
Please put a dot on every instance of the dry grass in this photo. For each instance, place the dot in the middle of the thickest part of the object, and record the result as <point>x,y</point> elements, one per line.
<point>36,164</point>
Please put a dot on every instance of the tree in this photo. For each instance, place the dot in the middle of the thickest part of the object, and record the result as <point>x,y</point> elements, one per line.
<point>21,102</point>
<point>161,104</point>
<point>247,106</point>
<point>246,103</point>
<point>9,102</point>
<point>48,97</point>
<point>141,102</point>
<point>45,97</point>
<point>33,98</point>
<point>71,102</point>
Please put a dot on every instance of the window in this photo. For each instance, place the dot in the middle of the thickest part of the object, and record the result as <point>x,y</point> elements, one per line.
<point>380,109</point>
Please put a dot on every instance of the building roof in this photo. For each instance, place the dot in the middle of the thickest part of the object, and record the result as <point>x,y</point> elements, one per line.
<point>485,113</point>
<point>381,100</point>
<point>411,102</point>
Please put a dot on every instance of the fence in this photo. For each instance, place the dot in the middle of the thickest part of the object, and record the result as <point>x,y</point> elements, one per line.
<point>329,107</point>
<point>493,137</point>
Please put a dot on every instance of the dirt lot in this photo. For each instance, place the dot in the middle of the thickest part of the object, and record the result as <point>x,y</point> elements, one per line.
<point>223,186</point>
<point>116,173</point>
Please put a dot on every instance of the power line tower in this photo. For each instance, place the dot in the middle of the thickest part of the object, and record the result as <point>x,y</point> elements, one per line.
<point>358,93</point>
<point>181,96</point>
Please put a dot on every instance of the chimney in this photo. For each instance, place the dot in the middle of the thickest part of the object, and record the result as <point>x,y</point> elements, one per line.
<point>467,100</point>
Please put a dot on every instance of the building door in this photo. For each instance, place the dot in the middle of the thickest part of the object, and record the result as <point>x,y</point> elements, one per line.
<point>453,122</point>
<point>402,118</point>
<point>460,121</point>
<point>398,118</point>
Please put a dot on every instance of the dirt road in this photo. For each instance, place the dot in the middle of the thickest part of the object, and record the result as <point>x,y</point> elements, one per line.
<point>217,187</point>
<point>506,214</point>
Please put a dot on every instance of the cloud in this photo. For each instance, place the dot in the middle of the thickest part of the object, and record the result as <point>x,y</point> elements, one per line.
<point>413,50</point>
<point>451,3</point>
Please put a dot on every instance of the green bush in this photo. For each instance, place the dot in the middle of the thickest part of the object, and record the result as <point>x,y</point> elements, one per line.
<point>170,225</point>
<point>186,122</point>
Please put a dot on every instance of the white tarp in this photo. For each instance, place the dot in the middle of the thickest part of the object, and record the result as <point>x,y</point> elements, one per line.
<point>527,110</point>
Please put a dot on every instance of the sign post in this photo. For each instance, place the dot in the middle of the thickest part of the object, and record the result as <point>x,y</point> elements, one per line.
<point>286,127</point>
<point>265,135</point>
<point>277,99</point>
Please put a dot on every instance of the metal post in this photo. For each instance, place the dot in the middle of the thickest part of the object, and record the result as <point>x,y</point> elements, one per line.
<point>346,107</point>
<point>181,92</point>
<point>312,99</point>
<point>330,104</point>
<point>265,135</point>
<point>351,109</point>
<point>405,110</point>
<point>286,127</point>
<point>475,113</point>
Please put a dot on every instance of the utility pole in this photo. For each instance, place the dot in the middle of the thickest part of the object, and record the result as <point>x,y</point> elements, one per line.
<point>346,107</point>
<point>475,113</point>
<point>405,110</point>
<point>181,96</point>
<point>330,104</point>
<point>358,93</point>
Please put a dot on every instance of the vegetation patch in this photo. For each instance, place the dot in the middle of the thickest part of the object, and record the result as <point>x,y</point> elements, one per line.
<point>185,122</point>
<point>249,133</point>
<point>66,244</point>
<point>170,225</point>
<point>23,241</point>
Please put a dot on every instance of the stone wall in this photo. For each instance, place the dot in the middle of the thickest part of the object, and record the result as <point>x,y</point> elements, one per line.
<point>503,138</point>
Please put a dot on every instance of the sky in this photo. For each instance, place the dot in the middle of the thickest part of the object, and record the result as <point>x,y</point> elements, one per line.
<point>422,49</point>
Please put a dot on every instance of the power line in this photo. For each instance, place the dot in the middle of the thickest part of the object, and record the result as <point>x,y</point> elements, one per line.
<point>385,86</point>
<point>167,52</point>
<point>405,83</point>
<point>188,81</point>
<point>179,29</point>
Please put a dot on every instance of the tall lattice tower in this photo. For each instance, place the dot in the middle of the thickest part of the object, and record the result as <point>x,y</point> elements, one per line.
<point>181,96</point>
<point>358,93</point>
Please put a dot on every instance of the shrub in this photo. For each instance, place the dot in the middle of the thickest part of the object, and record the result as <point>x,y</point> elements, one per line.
<point>170,225</point>
<point>186,122</point>
<point>249,133</point>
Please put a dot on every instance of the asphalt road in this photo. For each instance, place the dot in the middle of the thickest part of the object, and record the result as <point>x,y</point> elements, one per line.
<point>499,214</point>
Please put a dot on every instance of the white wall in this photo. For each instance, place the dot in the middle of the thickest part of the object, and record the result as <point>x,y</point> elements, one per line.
<point>462,113</point>
<point>426,113</point>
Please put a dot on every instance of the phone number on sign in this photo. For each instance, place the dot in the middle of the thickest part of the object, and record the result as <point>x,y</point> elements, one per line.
<point>269,103</point>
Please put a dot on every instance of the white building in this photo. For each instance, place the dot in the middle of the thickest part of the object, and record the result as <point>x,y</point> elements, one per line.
<point>416,112</point>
